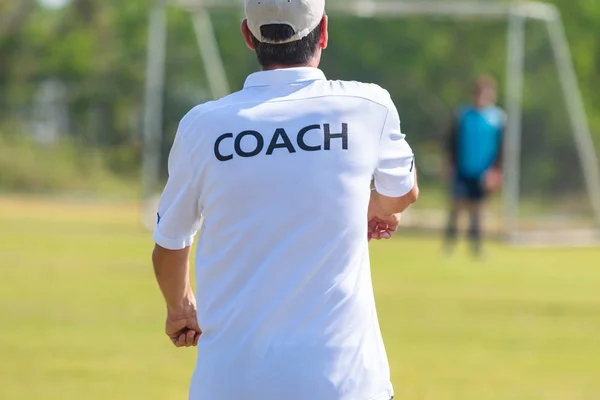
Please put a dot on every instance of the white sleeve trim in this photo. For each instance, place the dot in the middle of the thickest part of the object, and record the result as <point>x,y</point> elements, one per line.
<point>172,244</point>
<point>400,191</point>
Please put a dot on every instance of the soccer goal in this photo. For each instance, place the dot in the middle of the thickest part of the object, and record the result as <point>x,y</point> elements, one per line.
<point>528,214</point>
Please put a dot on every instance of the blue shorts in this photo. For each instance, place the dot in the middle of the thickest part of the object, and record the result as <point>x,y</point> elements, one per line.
<point>468,189</point>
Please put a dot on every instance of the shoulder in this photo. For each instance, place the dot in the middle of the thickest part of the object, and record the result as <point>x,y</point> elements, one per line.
<point>367,91</point>
<point>461,111</point>
<point>502,115</point>
<point>195,116</point>
<point>497,117</point>
<point>203,109</point>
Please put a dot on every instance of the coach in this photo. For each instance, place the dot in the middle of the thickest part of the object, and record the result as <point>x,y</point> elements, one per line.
<point>280,175</point>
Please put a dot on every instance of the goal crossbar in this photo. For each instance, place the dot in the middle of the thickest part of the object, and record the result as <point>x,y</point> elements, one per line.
<point>515,13</point>
<point>365,8</point>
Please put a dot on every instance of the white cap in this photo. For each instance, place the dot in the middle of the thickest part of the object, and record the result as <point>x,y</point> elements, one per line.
<point>302,15</point>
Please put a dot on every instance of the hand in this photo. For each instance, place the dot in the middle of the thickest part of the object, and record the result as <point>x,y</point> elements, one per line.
<point>383,228</point>
<point>493,180</point>
<point>182,325</point>
<point>381,225</point>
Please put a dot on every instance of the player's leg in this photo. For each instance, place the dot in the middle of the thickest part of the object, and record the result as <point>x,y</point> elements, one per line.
<point>452,224</point>
<point>476,209</point>
<point>475,227</point>
<point>457,204</point>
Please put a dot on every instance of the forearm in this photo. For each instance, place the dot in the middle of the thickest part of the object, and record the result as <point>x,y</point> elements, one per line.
<point>499,158</point>
<point>394,205</point>
<point>391,206</point>
<point>500,153</point>
<point>172,270</point>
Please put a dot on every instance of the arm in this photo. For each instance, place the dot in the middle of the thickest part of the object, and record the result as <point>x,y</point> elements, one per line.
<point>493,177</point>
<point>450,150</point>
<point>451,147</point>
<point>395,205</point>
<point>172,270</point>
<point>395,175</point>
<point>500,153</point>
<point>396,185</point>
<point>178,222</point>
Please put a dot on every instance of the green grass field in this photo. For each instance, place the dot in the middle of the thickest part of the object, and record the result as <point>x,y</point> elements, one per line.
<point>81,317</point>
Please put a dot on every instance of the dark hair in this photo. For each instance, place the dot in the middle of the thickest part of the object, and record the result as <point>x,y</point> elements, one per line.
<point>294,53</point>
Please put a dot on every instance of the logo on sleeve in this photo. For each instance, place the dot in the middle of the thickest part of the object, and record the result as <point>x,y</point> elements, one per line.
<point>157,218</point>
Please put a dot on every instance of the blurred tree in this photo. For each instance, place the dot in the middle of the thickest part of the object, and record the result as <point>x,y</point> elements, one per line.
<point>97,49</point>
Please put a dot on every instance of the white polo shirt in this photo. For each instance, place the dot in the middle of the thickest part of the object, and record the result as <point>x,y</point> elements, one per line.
<point>281,174</point>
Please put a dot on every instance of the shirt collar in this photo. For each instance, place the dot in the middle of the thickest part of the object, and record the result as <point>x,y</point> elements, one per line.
<point>284,76</point>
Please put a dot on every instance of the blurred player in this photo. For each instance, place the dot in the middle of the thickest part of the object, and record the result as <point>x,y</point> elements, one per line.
<point>474,156</point>
<point>281,174</point>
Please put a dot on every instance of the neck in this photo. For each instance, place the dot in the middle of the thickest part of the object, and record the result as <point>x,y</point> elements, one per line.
<point>312,63</point>
<point>481,106</point>
<point>277,66</point>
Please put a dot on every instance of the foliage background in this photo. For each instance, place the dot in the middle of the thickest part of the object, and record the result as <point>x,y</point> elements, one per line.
<point>95,50</point>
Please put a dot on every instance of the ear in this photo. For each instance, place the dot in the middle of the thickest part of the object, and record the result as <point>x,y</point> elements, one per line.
<point>324,42</point>
<point>247,35</point>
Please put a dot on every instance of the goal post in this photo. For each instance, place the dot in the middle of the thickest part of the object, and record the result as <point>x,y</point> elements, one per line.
<point>516,14</point>
<point>155,87</point>
<point>515,55</point>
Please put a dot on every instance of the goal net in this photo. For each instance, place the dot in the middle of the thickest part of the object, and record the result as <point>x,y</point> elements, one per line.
<point>426,53</point>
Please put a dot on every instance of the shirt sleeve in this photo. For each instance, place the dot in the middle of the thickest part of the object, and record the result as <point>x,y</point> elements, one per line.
<point>501,133</point>
<point>394,175</point>
<point>178,218</point>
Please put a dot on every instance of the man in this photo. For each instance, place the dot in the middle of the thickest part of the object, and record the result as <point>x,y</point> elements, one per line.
<point>280,174</point>
<point>474,149</point>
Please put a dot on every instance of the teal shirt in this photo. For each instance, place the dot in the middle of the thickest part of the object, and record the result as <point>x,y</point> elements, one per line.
<point>476,140</point>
